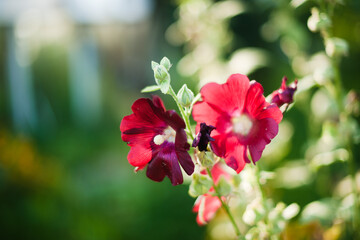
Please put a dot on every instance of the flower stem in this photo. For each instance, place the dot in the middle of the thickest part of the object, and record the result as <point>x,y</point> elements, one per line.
<point>184,116</point>
<point>257,176</point>
<point>224,205</point>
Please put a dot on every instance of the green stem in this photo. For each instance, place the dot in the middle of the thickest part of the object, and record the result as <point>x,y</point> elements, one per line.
<point>184,116</point>
<point>224,205</point>
<point>257,175</point>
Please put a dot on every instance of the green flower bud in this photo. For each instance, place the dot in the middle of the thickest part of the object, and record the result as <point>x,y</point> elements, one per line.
<point>154,65</point>
<point>185,96</point>
<point>162,78</point>
<point>199,185</point>
<point>335,47</point>
<point>166,63</point>
<point>223,186</point>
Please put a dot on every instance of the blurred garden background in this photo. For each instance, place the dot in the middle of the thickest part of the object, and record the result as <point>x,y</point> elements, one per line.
<point>70,70</point>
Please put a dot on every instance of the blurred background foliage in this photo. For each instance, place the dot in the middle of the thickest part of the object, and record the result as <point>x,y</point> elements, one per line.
<point>70,70</point>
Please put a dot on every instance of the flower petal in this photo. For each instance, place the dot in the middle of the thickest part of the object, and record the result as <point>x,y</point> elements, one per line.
<point>145,110</point>
<point>226,97</point>
<point>202,112</point>
<point>272,111</point>
<point>268,128</point>
<point>235,159</point>
<point>139,155</point>
<point>181,148</point>
<point>158,102</point>
<point>174,120</point>
<point>165,163</point>
<point>255,100</point>
<point>217,171</point>
<point>206,206</point>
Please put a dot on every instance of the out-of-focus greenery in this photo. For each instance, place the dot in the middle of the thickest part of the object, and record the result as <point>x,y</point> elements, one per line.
<point>66,176</point>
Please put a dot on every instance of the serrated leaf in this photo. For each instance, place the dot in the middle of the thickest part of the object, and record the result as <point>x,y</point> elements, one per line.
<point>152,88</point>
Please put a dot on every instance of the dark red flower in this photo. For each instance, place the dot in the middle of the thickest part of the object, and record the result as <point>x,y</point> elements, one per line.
<point>285,94</point>
<point>244,121</point>
<point>203,137</point>
<point>207,204</point>
<point>157,138</point>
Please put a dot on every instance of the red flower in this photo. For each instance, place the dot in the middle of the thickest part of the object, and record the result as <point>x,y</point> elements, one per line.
<point>243,119</point>
<point>207,204</point>
<point>285,94</point>
<point>157,138</point>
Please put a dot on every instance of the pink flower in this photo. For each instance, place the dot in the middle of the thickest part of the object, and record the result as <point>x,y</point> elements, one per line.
<point>207,204</point>
<point>244,121</point>
<point>285,94</point>
<point>157,138</point>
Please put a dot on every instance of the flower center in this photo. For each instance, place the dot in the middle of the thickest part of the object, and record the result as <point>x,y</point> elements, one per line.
<point>168,135</point>
<point>242,124</point>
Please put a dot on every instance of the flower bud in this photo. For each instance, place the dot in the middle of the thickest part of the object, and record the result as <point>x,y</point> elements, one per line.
<point>285,94</point>
<point>200,185</point>
<point>185,96</point>
<point>154,65</point>
<point>335,47</point>
<point>162,78</point>
<point>166,63</point>
<point>203,137</point>
<point>318,21</point>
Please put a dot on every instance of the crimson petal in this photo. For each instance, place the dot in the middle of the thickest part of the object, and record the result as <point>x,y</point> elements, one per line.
<point>268,129</point>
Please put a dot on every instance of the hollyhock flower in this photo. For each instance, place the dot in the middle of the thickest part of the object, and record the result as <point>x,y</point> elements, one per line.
<point>285,94</point>
<point>207,204</point>
<point>157,139</point>
<point>203,137</point>
<point>244,121</point>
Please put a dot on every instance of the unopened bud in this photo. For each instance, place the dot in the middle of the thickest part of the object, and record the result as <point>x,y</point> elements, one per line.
<point>336,47</point>
<point>154,65</point>
<point>185,96</point>
<point>166,63</point>
<point>162,78</point>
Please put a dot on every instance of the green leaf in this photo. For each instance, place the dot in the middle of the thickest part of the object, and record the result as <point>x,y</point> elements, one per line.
<point>152,88</point>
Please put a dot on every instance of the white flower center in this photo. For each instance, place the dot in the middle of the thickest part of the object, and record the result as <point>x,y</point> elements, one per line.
<point>242,124</point>
<point>168,135</point>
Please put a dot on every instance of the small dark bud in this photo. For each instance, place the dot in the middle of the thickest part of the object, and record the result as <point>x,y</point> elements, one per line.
<point>285,94</point>
<point>203,137</point>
